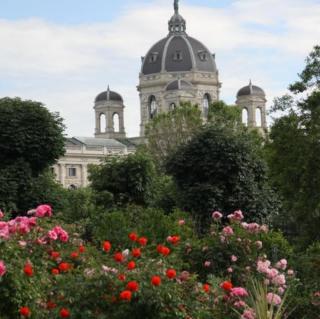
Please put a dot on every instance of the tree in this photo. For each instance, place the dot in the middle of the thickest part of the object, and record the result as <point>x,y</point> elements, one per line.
<point>31,140</point>
<point>169,130</point>
<point>293,154</point>
<point>123,180</point>
<point>220,169</point>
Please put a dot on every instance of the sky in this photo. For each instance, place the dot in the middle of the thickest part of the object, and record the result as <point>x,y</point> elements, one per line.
<point>65,52</point>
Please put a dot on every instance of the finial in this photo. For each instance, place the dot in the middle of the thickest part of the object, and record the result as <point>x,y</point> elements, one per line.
<point>250,86</point>
<point>176,6</point>
<point>108,93</point>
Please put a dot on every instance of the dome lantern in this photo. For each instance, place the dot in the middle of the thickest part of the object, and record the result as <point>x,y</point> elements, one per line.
<point>177,24</point>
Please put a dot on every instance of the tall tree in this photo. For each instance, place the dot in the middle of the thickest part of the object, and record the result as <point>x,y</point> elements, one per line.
<point>293,153</point>
<point>31,140</point>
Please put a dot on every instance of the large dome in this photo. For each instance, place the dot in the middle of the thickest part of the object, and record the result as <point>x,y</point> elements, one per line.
<point>178,52</point>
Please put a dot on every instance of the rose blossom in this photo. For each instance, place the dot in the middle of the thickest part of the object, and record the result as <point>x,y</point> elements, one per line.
<point>230,270</point>
<point>181,222</point>
<point>43,210</point>
<point>234,258</point>
<point>236,216</point>
<point>272,273</point>
<point>239,292</point>
<point>227,231</point>
<point>207,263</point>
<point>281,290</point>
<point>239,304</point>
<point>248,314</point>
<point>273,299</point>
<point>258,244</point>
<point>290,272</point>
<point>216,215</point>
<point>1,214</point>
<point>282,264</point>
<point>279,280</point>
<point>3,268</point>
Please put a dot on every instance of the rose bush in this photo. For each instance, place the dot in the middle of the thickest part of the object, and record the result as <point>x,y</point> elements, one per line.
<point>48,271</point>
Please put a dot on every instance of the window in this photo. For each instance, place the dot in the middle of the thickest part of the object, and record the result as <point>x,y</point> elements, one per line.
<point>103,123</point>
<point>203,55</point>
<point>152,107</point>
<point>153,57</point>
<point>245,117</point>
<point>258,117</point>
<point>177,56</point>
<point>72,172</point>
<point>206,101</point>
<point>72,187</point>
<point>172,106</point>
<point>116,122</point>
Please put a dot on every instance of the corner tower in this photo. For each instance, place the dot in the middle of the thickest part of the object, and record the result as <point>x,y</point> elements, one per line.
<point>177,68</point>
<point>109,118</point>
<point>252,101</point>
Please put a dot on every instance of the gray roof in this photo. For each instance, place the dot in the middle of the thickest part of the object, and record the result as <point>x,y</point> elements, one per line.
<point>192,53</point>
<point>179,85</point>
<point>92,141</point>
<point>109,96</point>
<point>251,90</point>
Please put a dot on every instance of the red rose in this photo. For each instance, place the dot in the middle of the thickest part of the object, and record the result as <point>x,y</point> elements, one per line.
<point>131,265</point>
<point>133,236</point>
<point>171,273</point>
<point>122,277</point>
<point>118,257</point>
<point>143,241</point>
<point>132,286</point>
<point>64,313</point>
<point>28,270</point>
<point>126,295</point>
<point>74,255</point>
<point>51,305</point>
<point>106,246</point>
<point>55,254</point>
<point>165,251</point>
<point>64,267</point>
<point>82,249</point>
<point>226,285</point>
<point>55,271</point>
<point>206,287</point>
<point>25,312</point>
<point>174,240</point>
<point>136,252</point>
<point>156,281</point>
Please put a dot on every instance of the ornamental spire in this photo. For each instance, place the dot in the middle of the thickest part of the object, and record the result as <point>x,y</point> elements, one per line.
<point>250,86</point>
<point>108,93</point>
<point>176,6</point>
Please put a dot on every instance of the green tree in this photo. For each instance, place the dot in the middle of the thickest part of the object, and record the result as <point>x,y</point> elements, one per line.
<point>122,180</point>
<point>221,169</point>
<point>169,130</point>
<point>31,140</point>
<point>293,154</point>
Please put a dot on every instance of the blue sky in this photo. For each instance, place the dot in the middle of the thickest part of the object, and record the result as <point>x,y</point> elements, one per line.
<point>64,52</point>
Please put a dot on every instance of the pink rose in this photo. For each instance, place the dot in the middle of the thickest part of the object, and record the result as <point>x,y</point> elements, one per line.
<point>3,268</point>
<point>52,235</point>
<point>273,299</point>
<point>1,214</point>
<point>290,272</point>
<point>216,215</point>
<point>239,292</point>
<point>230,270</point>
<point>181,222</point>
<point>239,304</point>
<point>207,263</point>
<point>43,210</point>
<point>279,280</point>
<point>248,314</point>
<point>227,231</point>
<point>234,258</point>
<point>282,264</point>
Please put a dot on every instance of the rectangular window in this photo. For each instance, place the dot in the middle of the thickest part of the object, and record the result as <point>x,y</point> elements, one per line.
<point>72,172</point>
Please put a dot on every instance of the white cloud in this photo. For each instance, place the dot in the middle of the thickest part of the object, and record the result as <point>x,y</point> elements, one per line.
<point>65,66</point>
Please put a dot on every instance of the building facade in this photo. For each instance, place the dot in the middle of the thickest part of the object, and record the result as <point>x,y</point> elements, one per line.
<point>177,68</point>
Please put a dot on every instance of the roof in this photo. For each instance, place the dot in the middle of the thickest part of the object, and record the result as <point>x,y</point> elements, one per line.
<point>109,96</point>
<point>251,90</point>
<point>93,141</point>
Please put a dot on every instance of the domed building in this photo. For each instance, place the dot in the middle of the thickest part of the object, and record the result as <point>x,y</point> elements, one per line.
<point>177,68</point>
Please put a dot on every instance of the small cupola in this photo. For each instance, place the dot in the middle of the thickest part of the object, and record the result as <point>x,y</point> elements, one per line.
<point>177,24</point>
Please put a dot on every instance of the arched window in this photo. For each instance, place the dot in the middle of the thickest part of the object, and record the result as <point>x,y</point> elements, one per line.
<point>258,117</point>
<point>205,103</point>
<point>152,107</point>
<point>116,123</point>
<point>172,106</point>
<point>245,117</point>
<point>103,123</point>
<point>72,187</point>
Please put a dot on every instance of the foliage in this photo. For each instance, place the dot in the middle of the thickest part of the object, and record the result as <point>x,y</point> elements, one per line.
<point>31,140</point>
<point>123,180</point>
<point>219,169</point>
<point>49,270</point>
<point>169,130</point>
<point>293,153</point>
